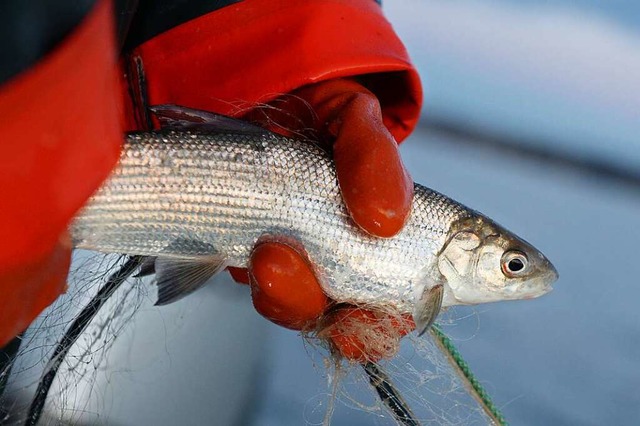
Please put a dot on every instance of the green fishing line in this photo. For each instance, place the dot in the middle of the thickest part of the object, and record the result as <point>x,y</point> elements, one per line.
<point>466,374</point>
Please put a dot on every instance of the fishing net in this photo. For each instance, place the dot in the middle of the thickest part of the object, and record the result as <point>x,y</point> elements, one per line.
<point>43,345</point>
<point>420,370</point>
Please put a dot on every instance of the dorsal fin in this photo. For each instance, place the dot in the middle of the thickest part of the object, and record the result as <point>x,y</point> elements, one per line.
<point>179,117</point>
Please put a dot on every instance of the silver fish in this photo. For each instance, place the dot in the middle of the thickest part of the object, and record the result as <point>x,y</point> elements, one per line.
<point>198,199</point>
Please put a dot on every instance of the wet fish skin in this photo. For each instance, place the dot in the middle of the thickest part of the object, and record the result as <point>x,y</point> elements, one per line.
<point>187,195</point>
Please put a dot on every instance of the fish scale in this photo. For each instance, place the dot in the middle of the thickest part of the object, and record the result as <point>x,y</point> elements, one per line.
<point>230,190</point>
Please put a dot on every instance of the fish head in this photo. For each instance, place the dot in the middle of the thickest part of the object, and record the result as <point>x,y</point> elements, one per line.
<point>483,262</point>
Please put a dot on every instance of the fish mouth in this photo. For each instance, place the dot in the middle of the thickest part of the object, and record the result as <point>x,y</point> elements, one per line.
<point>535,292</point>
<point>548,274</point>
<point>544,284</point>
<point>539,294</point>
<point>551,276</point>
<point>546,289</point>
<point>554,274</point>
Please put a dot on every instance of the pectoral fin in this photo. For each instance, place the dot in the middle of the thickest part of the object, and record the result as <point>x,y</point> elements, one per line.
<point>428,307</point>
<point>178,277</point>
<point>184,266</point>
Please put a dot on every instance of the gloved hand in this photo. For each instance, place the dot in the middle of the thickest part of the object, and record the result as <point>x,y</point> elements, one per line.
<point>375,186</point>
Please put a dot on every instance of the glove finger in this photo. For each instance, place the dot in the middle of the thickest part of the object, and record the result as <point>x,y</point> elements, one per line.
<point>376,187</point>
<point>284,288</point>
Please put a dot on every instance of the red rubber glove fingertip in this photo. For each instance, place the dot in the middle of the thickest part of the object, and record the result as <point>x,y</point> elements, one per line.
<point>284,288</point>
<point>375,185</point>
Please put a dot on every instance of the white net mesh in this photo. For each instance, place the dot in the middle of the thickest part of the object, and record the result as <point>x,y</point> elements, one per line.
<point>80,393</point>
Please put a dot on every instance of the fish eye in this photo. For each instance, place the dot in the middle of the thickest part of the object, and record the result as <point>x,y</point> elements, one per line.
<point>514,263</point>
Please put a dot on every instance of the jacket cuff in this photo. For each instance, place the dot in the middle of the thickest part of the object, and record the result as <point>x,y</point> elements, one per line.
<point>254,51</point>
<point>61,136</point>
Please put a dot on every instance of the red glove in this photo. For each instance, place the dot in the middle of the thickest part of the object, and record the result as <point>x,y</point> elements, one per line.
<point>304,49</point>
<point>377,191</point>
<point>375,186</point>
<point>54,162</point>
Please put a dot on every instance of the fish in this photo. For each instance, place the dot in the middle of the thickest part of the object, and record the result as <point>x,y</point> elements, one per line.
<point>197,195</point>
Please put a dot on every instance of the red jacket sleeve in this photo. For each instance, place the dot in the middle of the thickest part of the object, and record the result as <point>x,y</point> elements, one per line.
<point>256,50</point>
<point>61,135</point>
<point>60,126</point>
